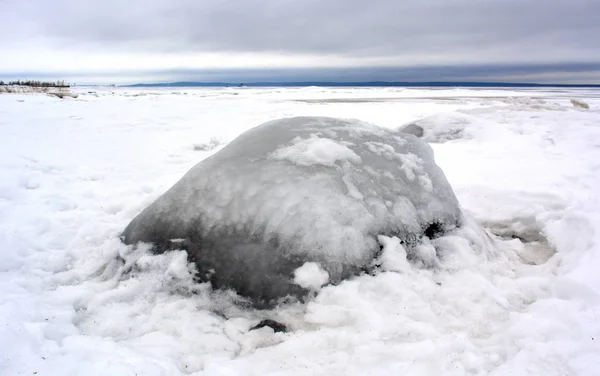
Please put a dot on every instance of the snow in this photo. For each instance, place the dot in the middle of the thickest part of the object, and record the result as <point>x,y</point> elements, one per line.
<point>311,276</point>
<point>316,151</point>
<point>393,255</point>
<point>74,172</point>
<point>447,126</point>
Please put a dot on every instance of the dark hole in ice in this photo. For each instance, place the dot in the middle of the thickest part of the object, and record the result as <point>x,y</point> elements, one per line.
<point>434,230</point>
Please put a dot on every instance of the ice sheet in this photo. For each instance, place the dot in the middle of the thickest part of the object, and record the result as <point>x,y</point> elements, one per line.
<point>73,172</point>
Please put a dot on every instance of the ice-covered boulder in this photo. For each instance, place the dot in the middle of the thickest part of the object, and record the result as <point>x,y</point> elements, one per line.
<point>295,191</point>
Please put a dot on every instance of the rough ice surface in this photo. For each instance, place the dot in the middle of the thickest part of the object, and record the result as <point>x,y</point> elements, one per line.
<point>74,300</point>
<point>296,190</point>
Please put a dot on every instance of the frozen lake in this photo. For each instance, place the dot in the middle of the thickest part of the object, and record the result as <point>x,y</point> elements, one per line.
<point>73,172</point>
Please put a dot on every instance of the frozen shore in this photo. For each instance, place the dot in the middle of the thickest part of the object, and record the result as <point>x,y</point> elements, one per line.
<point>59,92</point>
<point>525,164</point>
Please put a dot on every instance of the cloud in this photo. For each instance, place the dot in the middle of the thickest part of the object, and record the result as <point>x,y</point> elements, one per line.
<point>152,35</point>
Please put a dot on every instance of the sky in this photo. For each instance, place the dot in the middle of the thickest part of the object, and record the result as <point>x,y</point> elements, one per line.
<point>115,41</point>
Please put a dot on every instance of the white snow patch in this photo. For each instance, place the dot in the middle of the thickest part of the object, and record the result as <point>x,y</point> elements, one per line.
<point>316,151</point>
<point>393,255</point>
<point>410,164</point>
<point>311,276</point>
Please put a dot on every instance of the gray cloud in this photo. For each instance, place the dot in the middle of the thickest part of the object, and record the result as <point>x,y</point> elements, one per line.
<point>408,32</point>
<point>334,26</point>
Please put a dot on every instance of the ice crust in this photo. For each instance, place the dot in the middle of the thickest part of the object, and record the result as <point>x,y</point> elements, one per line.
<point>296,190</point>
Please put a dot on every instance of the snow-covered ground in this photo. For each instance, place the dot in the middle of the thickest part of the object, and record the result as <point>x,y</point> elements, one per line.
<point>74,172</point>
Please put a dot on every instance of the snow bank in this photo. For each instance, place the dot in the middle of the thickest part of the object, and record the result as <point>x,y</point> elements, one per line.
<point>296,190</point>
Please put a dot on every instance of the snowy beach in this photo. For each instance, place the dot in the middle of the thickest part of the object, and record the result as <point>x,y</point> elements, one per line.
<point>524,163</point>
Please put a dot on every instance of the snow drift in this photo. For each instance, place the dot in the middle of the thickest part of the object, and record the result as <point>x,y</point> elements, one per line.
<point>445,127</point>
<point>295,191</point>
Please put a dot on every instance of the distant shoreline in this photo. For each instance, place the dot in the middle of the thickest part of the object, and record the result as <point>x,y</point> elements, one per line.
<point>56,91</point>
<point>364,84</point>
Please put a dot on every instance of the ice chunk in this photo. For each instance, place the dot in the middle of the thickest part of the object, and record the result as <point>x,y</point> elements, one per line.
<point>298,190</point>
<point>579,103</point>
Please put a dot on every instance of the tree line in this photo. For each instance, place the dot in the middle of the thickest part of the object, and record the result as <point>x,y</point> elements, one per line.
<point>34,83</point>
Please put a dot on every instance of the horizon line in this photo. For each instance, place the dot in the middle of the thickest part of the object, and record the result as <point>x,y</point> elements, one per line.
<point>352,83</point>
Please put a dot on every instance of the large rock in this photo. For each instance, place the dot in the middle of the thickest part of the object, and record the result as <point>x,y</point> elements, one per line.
<point>297,190</point>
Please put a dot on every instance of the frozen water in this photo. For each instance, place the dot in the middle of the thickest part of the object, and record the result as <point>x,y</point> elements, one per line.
<point>75,301</point>
<point>296,190</point>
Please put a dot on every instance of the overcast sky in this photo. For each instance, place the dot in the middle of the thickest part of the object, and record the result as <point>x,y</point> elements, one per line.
<point>350,40</point>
